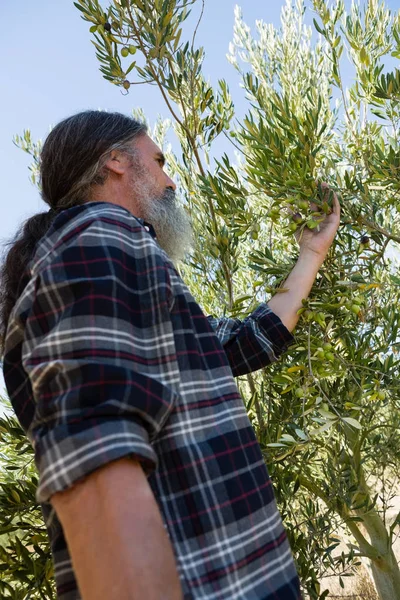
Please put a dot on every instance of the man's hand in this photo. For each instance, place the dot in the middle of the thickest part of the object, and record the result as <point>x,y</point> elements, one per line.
<point>314,246</point>
<point>318,241</point>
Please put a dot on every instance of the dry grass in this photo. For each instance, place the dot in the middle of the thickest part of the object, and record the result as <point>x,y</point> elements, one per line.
<point>359,587</point>
<point>365,590</point>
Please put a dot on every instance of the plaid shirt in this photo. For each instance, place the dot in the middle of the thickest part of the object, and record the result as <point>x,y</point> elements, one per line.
<point>109,355</point>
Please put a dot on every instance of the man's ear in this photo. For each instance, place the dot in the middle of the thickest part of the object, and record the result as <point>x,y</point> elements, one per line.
<point>117,162</point>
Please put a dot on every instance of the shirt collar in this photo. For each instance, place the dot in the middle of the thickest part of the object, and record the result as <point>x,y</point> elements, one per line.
<point>149,228</point>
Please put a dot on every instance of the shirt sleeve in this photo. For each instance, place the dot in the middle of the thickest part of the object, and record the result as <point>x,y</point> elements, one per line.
<point>253,343</point>
<point>100,354</point>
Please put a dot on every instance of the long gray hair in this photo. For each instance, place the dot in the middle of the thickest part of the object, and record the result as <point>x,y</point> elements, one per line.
<point>71,162</point>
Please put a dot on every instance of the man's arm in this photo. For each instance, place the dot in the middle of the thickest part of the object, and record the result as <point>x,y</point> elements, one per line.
<point>263,336</point>
<point>253,343</point>
<point>116,538</point>
<point>298,286</point>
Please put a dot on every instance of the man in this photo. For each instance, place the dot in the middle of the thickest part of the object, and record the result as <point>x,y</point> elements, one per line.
<point>152,483</point>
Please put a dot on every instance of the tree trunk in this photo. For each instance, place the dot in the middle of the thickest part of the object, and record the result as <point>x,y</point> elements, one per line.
<point>384,566</point>
<point>386,576</point>
<point>385,569</point>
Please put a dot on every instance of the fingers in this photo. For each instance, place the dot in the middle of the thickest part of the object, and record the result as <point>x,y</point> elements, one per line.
<point>335,201</point>
<point>336,205</point>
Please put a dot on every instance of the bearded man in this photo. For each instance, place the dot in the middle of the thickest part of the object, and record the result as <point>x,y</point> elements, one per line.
<point>152,484</point>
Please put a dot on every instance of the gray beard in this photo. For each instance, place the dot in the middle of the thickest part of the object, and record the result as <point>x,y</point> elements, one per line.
<point>169,219</point>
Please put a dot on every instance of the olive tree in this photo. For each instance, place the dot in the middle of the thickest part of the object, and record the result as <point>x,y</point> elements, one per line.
<point>25,560</point>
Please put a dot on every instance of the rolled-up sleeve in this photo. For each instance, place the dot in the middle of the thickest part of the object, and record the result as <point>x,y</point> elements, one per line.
<point>99,351</point>
<point>253,343</point>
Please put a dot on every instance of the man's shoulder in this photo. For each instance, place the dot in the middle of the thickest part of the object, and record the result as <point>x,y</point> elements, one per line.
<point>77,218</point>
<point>97,224</point>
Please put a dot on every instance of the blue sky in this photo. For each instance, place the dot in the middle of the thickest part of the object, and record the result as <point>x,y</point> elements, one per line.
<point>49,71</point>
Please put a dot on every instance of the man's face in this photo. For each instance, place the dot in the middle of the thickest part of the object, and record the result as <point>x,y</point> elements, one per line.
<point>153,196</point>
<point>152,161</point>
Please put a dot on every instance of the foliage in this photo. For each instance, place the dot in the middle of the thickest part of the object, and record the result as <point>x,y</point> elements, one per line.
<point>327,415</point>
<point>32,148</point>
<point>26,565</point>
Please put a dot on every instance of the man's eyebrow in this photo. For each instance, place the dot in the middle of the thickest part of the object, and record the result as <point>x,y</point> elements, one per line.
<point>160,156</point>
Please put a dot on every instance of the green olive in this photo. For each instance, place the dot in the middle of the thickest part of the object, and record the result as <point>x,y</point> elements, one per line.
<point>303,204</point>
<point>297,218</point>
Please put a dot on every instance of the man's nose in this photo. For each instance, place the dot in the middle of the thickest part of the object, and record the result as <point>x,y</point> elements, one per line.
<point>171,183</point>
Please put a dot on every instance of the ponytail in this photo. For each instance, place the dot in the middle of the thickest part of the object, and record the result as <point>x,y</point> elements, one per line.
<point>21,250</point>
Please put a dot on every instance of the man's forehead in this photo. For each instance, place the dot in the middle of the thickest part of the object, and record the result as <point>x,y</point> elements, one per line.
<point>145,144</point>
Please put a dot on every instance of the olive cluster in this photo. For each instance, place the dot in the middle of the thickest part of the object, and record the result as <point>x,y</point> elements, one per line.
<point>126,50</point>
